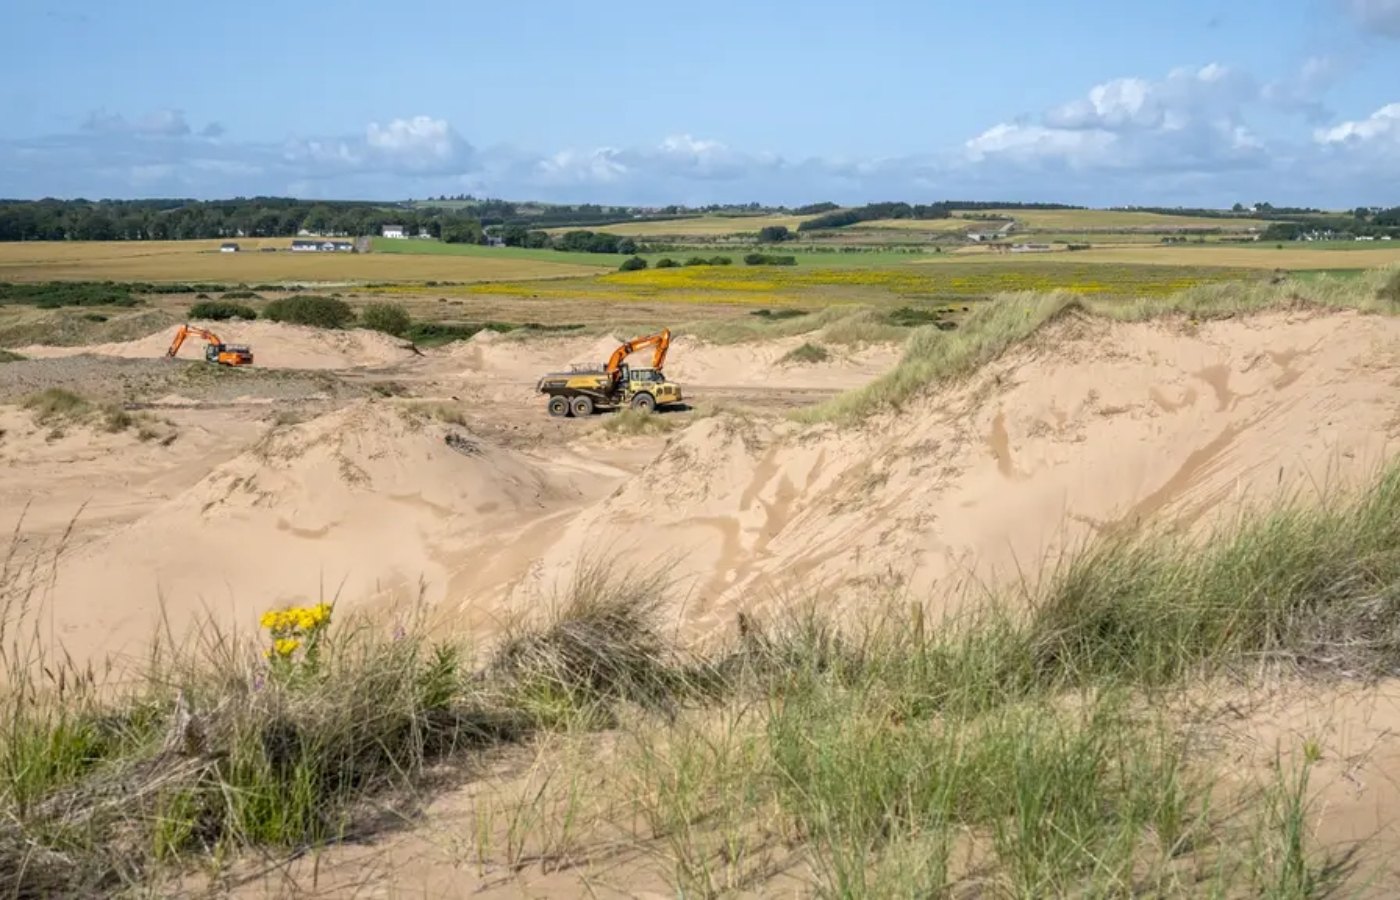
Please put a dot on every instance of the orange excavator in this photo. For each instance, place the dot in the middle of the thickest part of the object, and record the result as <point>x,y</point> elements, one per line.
<point>580,392</point>
<point>661,341</point>
<point>215,350</point>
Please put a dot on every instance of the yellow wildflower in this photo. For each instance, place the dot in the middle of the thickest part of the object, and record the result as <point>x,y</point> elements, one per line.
<point>286,646</point>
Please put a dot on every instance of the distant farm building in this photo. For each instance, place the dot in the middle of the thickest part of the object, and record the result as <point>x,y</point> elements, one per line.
<point>303,246</point>
<point>393,231</point>
<point>229,247</point>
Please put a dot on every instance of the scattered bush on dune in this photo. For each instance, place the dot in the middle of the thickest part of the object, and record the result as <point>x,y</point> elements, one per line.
<point>806,354</point>
<point>220,311</point>
<point>389,318</point>
<point>310,309</point>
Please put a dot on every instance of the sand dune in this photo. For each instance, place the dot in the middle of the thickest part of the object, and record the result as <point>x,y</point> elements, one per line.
<point>275,346</point>
<point>368,500</point>
<point>1090,426</point>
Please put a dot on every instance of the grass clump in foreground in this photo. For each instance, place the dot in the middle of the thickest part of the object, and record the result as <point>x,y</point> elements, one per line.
<point>9,356</point>
<point>1048,751</point>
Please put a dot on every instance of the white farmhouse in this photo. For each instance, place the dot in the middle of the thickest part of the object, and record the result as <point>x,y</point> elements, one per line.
<point>394,231</point>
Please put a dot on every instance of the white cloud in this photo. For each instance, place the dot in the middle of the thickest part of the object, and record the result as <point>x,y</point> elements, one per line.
<point>1192,118</point>
<point>1381,127</point>
<point>1379,16</point>
<point>418,142</point>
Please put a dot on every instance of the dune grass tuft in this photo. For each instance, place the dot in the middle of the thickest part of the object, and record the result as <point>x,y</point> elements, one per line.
<point>638,422</point>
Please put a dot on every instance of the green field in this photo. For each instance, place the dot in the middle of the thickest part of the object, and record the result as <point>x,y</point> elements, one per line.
<point>437,248</point>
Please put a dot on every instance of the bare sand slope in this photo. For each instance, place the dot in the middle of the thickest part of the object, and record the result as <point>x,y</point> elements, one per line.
<point>51,473</point>
<point>690,361</point>
<point>1089,426</point>
<point>368,499</point>
<point>275,346</point>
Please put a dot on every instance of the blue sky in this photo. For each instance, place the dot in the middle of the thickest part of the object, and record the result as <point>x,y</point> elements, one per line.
<point>1188,102</point>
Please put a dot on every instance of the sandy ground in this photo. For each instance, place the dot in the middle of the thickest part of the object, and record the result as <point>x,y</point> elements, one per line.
<point>1088,427</point>
<point>464,494</point>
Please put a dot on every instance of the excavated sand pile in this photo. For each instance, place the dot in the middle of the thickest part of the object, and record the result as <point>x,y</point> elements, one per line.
<point>1088,427</point>
<point>362,502</point>
<point>275,346</point>
<point>690,361</point>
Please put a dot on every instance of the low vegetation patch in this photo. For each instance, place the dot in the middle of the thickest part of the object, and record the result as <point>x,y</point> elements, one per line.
<point>632,264</point>
<point>637,422</point>
<point>1390,290</point>
<point>9,356</point>
<point>242,295</point>
<point>222,310</point>
<point>310,309</point>
<point>55,294</point>
<point>806,354</point>
<point>57,405</point>
<point>390,318</point>
<point>432,334</point>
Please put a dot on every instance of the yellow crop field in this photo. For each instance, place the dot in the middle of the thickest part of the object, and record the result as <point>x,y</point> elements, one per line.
<point>815,286</point>
<point>698,226</point>
<point>1292,256</point>
<point>202,261</point>
<point>1091,219</point>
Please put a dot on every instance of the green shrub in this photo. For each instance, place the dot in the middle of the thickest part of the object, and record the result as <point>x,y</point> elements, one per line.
<point>697,261</point>
<point>769,259</point>
<point>720,260</point>
<point>220,311</point>
<point>9,356</point>
<point>56,294</point>
<point>632,264</point>
<point>666,263</point>
<point>310,309</point>
<point>390,318</point>
<point>241,295</point>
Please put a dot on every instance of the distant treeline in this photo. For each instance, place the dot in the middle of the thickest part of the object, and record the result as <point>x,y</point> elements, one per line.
<point>873,211</point>
<point>257,217</point>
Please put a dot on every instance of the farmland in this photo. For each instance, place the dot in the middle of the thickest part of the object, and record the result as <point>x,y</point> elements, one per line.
<point>201,261</point>
<point>1113,220</point>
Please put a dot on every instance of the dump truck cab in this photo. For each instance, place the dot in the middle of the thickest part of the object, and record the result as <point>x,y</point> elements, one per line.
<point>647,388</point>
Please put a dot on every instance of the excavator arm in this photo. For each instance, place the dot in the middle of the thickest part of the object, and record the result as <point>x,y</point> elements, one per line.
<point>661,341</point>
<point>187,330</point>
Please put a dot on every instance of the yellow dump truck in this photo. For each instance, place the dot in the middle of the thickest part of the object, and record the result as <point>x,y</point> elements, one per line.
<point>581,391</point>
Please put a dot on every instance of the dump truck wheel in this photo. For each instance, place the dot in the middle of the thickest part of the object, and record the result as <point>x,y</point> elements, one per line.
<point>644,402</point>
<point>558,406</point>
<point>582,406</point>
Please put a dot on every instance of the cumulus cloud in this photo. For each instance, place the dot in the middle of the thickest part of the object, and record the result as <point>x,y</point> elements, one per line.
<point>1191,118</point>
<point>1381,128</point>
<point>1380,17</point>
<point>1182,138</point>
<point>420,144</point>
